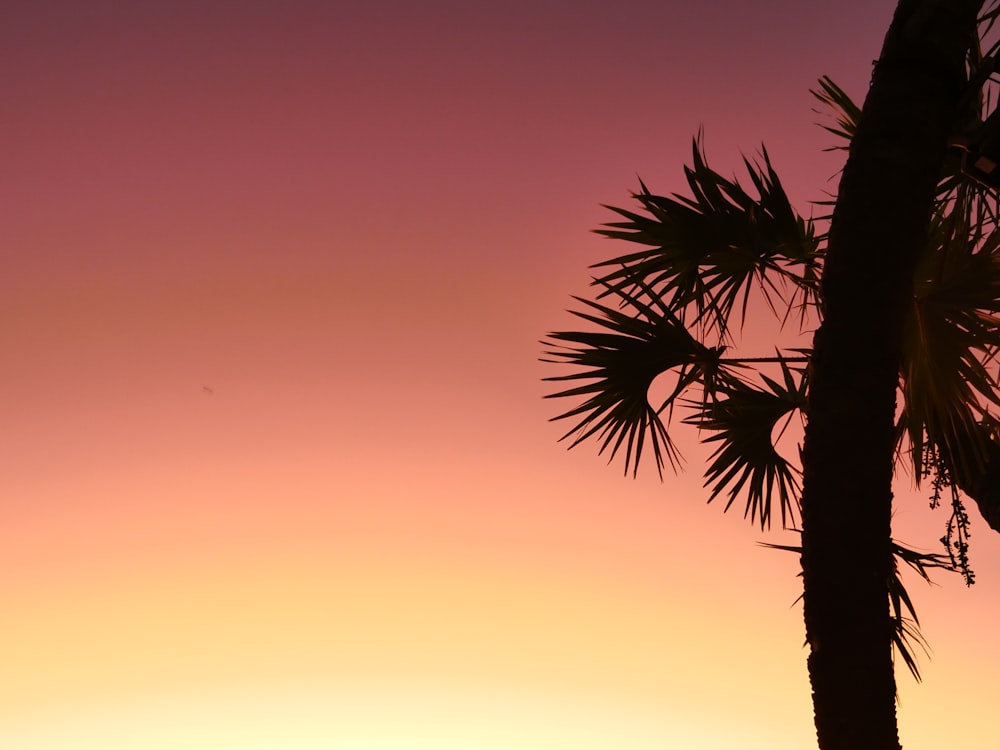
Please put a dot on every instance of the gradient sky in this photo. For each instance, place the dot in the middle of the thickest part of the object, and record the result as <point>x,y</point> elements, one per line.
<point>277,471</point>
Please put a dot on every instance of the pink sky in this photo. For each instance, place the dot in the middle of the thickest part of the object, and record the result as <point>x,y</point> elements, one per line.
<point>352,223</point>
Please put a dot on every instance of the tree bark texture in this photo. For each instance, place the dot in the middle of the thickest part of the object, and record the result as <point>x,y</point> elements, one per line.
<point>879,225</point>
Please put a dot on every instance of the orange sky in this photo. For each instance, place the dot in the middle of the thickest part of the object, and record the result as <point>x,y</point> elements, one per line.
<point>276,468</point>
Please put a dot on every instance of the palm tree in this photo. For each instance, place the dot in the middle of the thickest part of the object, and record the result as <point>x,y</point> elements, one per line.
<point>880,225</point>
<point>905,286</point>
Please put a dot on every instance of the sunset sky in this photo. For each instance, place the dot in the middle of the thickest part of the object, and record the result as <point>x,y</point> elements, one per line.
<point>276,467</point>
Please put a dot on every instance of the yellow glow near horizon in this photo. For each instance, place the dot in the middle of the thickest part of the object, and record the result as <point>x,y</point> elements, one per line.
<point>417,715</point>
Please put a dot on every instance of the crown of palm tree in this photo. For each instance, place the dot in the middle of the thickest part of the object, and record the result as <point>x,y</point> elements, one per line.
<point>676,304</point>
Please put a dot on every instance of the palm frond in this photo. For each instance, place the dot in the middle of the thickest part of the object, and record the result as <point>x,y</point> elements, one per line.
<point>906,635</point>
<point>744,417</point>
<point>707,252</point>
<point>906,625</point>
<point>846,113</point>
<point>635,343</point>
<point>952,333</point>
<point>988,19</point>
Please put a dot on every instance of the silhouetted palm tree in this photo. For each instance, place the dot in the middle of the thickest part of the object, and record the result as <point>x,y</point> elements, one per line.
<point>905,287</point>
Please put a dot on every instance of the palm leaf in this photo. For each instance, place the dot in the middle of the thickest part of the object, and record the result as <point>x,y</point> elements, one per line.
<point>846,113</point>
<point>633,346</point>
<point>906,635</point>
<point>951,335</point>
<point>744,417</point>
<point>707,252</point>
<point>906,624</point>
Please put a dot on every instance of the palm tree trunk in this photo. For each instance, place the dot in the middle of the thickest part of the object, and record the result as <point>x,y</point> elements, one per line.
<point>879,224</point>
